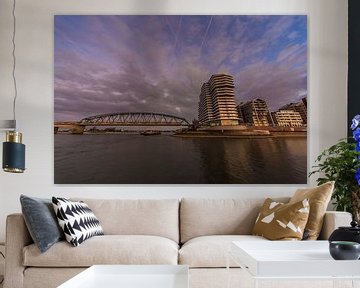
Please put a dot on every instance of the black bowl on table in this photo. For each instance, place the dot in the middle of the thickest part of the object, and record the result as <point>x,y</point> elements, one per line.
<point>344,250</point>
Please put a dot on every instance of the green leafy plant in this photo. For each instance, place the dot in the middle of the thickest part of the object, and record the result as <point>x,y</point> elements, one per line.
<point>341,163</point>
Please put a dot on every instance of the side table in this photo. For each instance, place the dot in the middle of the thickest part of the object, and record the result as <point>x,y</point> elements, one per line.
<point>131,276</point>
<point>294,263</point>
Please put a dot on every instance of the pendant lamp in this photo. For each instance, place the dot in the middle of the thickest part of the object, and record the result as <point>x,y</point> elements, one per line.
<point>13,160</point>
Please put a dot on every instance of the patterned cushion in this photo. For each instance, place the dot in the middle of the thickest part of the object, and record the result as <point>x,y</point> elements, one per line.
<point>77,220</point>
<point>278,221</point>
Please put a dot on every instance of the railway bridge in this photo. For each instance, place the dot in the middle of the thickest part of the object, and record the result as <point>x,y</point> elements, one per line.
<point>122,119</point>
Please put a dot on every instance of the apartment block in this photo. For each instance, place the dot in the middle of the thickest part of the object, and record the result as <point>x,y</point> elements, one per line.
<point>217,105</point>
<point>300,107</point>
<point>256,113</point>
<point>287,118</point>
<point>205,106</point>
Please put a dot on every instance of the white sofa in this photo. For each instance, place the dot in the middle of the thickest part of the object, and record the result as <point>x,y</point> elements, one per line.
<point>194,232</point>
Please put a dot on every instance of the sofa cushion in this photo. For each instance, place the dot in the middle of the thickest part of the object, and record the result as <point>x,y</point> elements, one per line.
<point>76,220</point>
<point>107,249</point>
<point>201,217</point>
<point>319,198</point>
<point>279,221</point>
<point>41,221</point>
<point>35,277</point>
<point>158,217</point>
<point>211,251</point>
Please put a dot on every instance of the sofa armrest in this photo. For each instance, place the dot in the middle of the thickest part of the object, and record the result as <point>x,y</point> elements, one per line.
<point>17,237</point>
<point>333,220</point>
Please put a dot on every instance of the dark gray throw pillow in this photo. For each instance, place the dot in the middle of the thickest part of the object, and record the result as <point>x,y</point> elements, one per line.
<point>41,221</point>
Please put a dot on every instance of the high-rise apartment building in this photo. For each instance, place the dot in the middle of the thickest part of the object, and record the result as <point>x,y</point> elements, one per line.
<point>287,118</point>
<point>300,107</point>
<point>256,113</point>
<point>217,105</point>
<point>205,106</point>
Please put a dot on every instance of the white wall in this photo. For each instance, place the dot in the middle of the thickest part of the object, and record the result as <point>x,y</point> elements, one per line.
<point>327,89</point>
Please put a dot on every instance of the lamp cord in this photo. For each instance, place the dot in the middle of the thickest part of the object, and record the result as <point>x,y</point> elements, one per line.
<point>14,61</point>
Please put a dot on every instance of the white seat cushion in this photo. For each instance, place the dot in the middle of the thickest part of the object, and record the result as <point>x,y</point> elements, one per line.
<point>211,251</point>
<point>206,217</point>
<point>107,249</point>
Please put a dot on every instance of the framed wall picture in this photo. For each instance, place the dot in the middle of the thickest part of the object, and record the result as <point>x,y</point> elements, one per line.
<point>180,99</point>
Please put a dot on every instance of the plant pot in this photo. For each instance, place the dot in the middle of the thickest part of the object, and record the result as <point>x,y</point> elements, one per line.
<point>351,233</point>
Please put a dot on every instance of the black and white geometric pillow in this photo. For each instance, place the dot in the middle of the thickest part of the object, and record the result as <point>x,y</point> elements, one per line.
<point>77,220</point>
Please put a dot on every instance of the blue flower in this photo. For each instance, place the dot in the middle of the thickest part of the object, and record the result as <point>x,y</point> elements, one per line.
<point>355,126</point>
<point>355,122</point>
<point>356,134</point>
<point>357,176</point>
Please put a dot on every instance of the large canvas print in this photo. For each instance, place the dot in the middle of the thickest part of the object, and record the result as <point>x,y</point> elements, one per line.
<point>175,99</point>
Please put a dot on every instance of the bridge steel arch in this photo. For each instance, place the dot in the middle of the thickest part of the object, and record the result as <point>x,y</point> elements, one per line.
<point>134,119</point>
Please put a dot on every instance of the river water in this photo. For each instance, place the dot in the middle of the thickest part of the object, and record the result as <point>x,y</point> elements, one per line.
<point>163,159</point>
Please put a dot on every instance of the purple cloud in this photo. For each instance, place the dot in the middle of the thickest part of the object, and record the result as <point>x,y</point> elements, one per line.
<point>107,64</point>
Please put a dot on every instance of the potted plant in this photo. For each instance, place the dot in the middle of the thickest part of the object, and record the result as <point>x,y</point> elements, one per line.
<point>341,163</point>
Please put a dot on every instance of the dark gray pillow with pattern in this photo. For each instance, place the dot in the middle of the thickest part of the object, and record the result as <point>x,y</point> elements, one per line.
<point>41,221</point>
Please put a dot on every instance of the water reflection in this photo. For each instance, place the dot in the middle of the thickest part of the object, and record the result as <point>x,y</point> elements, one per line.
<point>135,159</point>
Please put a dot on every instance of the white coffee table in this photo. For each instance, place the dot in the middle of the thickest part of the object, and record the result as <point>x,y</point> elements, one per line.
<point>297,260</point>
<point>131,276</point>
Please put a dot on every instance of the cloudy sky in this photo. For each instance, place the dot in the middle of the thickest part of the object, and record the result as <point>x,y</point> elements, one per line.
<point>106,64</point>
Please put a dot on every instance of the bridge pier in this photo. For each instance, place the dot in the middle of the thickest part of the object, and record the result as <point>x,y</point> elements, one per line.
<point>77,129</point>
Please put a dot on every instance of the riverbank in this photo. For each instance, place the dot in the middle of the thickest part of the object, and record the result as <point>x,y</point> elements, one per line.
<point>247,133</point>
<point>212,132</point>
